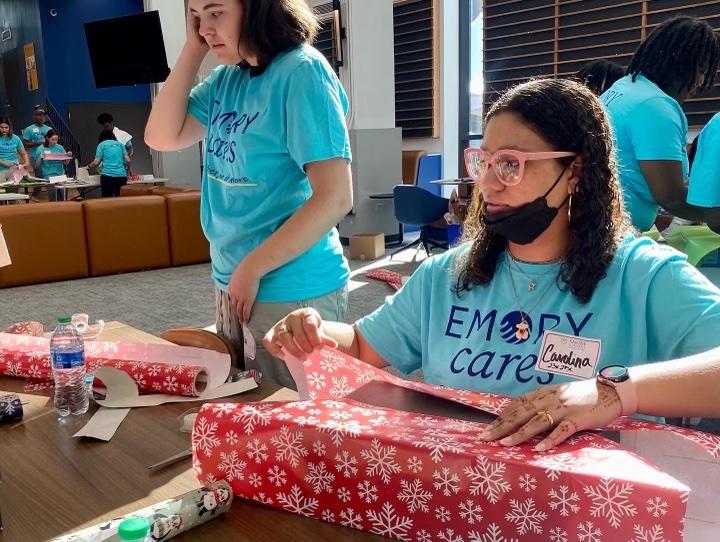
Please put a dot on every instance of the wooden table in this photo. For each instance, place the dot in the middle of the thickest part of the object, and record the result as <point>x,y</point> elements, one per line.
<point>54,484</point>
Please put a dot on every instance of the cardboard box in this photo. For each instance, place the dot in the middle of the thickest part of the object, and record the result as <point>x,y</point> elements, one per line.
<point>367,246</point>
<point>364,457</point>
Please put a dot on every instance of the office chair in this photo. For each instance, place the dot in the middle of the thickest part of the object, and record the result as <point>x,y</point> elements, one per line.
<point>416,206</point>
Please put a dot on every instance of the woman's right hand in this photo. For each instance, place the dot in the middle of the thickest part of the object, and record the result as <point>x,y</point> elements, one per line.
<point>299,333</point>
<point>194,39</point>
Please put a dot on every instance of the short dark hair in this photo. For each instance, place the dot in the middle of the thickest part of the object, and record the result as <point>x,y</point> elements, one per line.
<point>599,75</point>
<point>673,52</point>
<point>270,27</point>
<point>6,120</point>
<point>106,135</point>
<point>104,117</point>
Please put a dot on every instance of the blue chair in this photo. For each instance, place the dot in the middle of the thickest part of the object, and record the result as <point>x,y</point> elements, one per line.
<point>416,206</point>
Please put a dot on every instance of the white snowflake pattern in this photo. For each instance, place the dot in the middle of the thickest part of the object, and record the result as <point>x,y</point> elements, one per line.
<point>153,370</point>
<point>556,463</point>
<point>320,477</point>
<point>414,464</point>
<point>651,534</point>
<point>424,421</point>
<point>461,426</point>
<point>305,420</point>
<point>344,494</point>
<point>330,361</point>
<point>188,390</point>
<point>442,514</point>
<point>448,535</point>
<point>232,466</point>
<point>277,475</point>
<point>448,482</point>
<point>558,535</point>
<point>231,437</point>
<point>171,383</point>
<point>657,507</point>
<point>341,415</point>
<point>493,534</point>
<point>204,437</point>
<point>319,447</point>
<point>252,415</point>
<point>328,515</point>
<point>255,480</point>
<point>261,497</point>
<point>487,478</point>
<point>510,454</point>
<point>346,464</point>
<point>140,380</point>
<point>349,518</point>
<point>710,442</point>
<point>470,512</point>
<point>340,386</point>
<point>414,496</point>
<point>367,492</point>
<point>527,482</point>
<point>316,380</point>
<point>221,409</point>
<point>289,446</point>
<point>563,499</point>
<point>34,371</point>
<point>380,460</point>
<point>296,502</point>
<point>256,450</point>
<point>388,523</point>
<point>589,533</point>
<point>439,445</point>
<point>156,386</point>
<point>526,516</point>
<point>338,430</point>
<point>423,536</point>
<point>610,500</point>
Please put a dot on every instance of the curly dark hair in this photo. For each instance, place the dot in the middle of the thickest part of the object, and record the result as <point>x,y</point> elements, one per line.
<point>599,75</point>
<point>671,55</point>
<point>570,118</point>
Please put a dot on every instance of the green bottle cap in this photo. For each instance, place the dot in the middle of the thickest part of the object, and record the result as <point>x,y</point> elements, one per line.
<point>64,319</point>
<point>134,529</point>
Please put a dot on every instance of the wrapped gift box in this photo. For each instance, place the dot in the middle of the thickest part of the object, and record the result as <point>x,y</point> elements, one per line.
<point>418,476</point>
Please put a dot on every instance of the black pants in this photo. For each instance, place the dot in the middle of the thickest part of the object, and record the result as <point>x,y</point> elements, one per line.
<point>110,186</point>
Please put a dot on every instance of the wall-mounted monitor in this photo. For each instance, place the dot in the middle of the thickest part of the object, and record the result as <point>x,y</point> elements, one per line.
<point>127,51</point>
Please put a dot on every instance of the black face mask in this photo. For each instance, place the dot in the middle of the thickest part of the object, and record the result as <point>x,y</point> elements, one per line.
<point>526,223</point>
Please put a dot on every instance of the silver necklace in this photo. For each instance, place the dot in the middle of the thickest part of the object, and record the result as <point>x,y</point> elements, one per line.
<point>521,328</point>
<point>534,280</point>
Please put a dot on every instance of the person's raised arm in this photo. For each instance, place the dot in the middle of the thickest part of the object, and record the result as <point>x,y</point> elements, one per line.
<point>679,388</point>
<point>170,127</point>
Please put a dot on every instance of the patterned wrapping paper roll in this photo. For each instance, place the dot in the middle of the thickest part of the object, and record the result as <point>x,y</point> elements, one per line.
<point>11,408</point>
<point>167,518</point>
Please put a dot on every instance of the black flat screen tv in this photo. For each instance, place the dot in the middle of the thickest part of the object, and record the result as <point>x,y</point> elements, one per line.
<point>127,51</point>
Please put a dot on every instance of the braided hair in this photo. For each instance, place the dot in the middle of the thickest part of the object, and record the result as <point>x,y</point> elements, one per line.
<point>671,55</point>
<point>599,75</point>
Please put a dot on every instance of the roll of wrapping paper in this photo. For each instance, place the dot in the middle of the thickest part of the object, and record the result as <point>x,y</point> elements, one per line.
<point>187,380</point>
<point>11,408</point>
<point>167,518</point>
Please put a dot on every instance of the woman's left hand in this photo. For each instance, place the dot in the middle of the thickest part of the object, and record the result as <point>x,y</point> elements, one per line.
<point>69,153</point>
<point>564,408</point>
<point>243,288</point>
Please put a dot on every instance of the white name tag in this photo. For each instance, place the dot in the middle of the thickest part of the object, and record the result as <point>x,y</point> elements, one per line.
<point>568,355</point>
<point>249,340</point>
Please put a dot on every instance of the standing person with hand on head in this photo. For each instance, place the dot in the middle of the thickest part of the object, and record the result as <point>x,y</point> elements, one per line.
<point>551,284</point>
<point>277,175</point>
<point>50,168</point>
<point>11,147</point>
<point>113,156</point>
<point>679,58</point>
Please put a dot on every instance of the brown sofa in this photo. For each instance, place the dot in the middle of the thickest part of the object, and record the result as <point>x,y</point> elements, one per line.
<point>67,240</point>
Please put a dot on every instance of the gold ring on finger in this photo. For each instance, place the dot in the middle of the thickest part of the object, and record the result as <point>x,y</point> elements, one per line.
<point>547,416</point>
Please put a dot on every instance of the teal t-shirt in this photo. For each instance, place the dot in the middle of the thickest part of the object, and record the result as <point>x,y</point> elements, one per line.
<point>51,168</point>
<point>647,124</point>
<point>469,342</point>
<point>9,147</point>
<point>35,134</point>
<point>262,131</point>
<point>704,187</point>
<point>112,153</point>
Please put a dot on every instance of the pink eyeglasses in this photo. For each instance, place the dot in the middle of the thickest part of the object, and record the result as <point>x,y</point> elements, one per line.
<point>508,164</point>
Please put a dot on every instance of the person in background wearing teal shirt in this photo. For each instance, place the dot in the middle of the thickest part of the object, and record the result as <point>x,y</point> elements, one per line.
<point>11,146</point>
<point>51,168</point>
<point>704,187</point>
<point>113,156</point>
<point>276,177</point>
<point>551,283</point>
<point>33,138</point>
<point>680,57</point>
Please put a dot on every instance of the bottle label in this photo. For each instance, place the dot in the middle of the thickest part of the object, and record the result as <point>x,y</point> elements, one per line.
<point>68,360</point>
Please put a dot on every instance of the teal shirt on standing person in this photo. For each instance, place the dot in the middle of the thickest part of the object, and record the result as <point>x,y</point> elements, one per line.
<point>647,125</point>
<point>35,134</point>
<point>9,147</point>
<point>704,187</point>
<point>262,130</point>
<point>112,153</point>
<point>51,168</point>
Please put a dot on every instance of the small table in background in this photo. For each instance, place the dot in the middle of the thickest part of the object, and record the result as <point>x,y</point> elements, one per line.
<point>10,197</point>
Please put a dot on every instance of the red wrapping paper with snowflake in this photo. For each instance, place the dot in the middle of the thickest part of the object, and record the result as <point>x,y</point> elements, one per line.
<point>413,476</point>
<point>152,367</point>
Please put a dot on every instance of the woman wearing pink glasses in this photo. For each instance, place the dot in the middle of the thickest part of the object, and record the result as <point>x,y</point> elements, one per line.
<point>550,286</point>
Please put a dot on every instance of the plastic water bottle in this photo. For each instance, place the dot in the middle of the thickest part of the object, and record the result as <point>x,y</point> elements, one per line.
<point>67,353</point>
<point>134,530</point>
